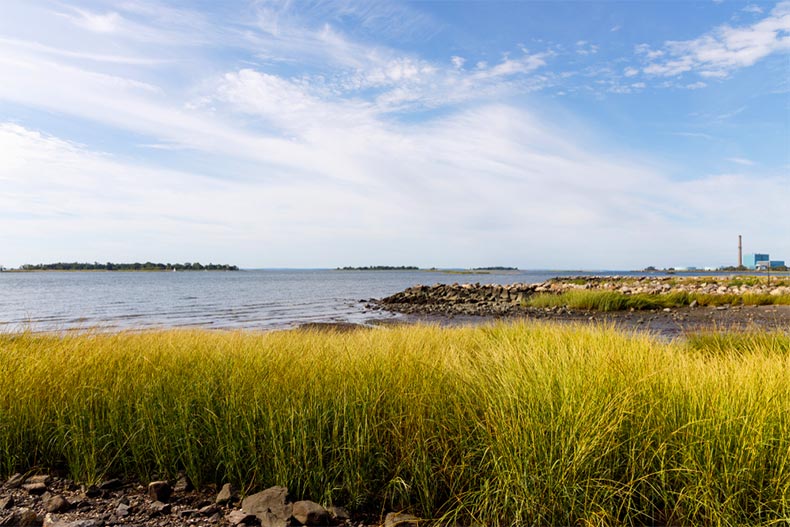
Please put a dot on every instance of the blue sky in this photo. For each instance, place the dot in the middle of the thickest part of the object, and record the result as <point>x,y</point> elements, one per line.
<point>292,134</point>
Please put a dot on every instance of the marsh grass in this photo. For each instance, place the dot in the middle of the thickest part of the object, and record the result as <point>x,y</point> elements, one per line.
<point>616,301</point>
<point>520,424</point>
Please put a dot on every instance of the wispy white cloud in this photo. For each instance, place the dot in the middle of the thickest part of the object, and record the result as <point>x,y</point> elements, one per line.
<point>99,22</point>
<point>723,50</point>
<point>753,8</point>
<point>585,48</point>
<point>699,135</point>
<point>741,161</point>
<point>317,137</point>
<point>82,55</point>
<point>476,177</point>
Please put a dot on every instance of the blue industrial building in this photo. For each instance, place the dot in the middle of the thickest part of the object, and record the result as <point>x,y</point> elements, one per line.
<point>753,261</point>
<point>777,263</point>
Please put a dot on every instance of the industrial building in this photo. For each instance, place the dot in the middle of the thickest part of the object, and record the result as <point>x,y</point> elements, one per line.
<point>761,261</point>
<point>753,261</point>
<point>756,260</point>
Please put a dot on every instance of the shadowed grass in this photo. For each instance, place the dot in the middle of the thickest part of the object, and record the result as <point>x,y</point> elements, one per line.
<point>593,300</point>
<point>522,424</point>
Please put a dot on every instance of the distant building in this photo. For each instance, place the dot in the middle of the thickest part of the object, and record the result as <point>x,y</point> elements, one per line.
<point>753,261</point>
<point>777,263</point>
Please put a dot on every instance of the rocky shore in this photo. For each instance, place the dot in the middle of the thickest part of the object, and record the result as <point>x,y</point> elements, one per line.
<point>42,500</point>
<point>470,303</point>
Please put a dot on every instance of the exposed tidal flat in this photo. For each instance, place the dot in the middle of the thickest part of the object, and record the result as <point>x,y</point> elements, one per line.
<point>517,423</point>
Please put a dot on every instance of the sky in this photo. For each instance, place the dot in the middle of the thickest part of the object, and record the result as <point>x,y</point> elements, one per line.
<point>543,135</point>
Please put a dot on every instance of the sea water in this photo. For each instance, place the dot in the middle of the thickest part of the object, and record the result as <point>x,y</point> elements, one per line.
<point>249,299</point>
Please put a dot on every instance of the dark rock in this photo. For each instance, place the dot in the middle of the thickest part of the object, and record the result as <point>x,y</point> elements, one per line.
<point>39,478</point>
<point>184,484</point>
<point>158,508</point>
<point>51,520</point>
<point>226,494</point>
<point>271,506</point>
<point>56,503</point>
<point>401,519</point>
<point>110,484</point>
<point>6,503</point>
<point>339,514</point>
<point>159,490</point>
<point>241,518</point>
<point>123,510</point>
<point>208,510</point>
<point>186,513</point>
<point>310,513</point>
<point>22,518</point>
<point>15,481</point>
<point>36,489</point>
<point>91,491</point>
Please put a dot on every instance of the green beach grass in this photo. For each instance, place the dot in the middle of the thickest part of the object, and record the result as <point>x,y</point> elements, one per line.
<point>616,301</point>
<point>509,424</point>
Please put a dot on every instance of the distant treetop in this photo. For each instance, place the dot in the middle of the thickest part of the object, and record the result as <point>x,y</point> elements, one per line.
<point>380,268</point>
<point>109,266</point>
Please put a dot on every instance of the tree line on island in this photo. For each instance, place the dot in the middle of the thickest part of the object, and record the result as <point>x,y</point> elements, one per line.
<point>137,266</point>
<point>415,268</point>
<point>380,268</point>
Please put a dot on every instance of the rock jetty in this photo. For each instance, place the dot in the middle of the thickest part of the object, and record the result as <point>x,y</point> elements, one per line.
<point>505,300</point>
<point>463,299</point>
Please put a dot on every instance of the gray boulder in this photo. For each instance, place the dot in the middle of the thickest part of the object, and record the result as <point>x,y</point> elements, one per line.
<point>56,503</point>
<point>226,494</point>
<point>272,507</point>
<point>36,489</point>
<point>240,518</point>
<point>310,513</point>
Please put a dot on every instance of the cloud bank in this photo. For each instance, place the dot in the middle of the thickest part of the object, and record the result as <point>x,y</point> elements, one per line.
<point>303,146</point>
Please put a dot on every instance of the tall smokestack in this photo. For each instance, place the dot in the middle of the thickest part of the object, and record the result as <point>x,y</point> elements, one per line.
<point>740,252</point>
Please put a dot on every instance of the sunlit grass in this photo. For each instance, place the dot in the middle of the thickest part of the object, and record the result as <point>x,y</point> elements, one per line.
<point>521,424</point>
<point>597,300</point>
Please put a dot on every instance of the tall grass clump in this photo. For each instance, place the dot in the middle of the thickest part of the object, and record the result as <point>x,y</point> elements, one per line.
<point>597,300</point>
<point>517,424</point>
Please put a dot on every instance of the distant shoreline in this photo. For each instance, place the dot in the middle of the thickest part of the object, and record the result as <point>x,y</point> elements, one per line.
<point>124,266</point>
<point>115,270</point>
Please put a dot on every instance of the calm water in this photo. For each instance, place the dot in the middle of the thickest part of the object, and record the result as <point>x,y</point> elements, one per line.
<point>260,299</point>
